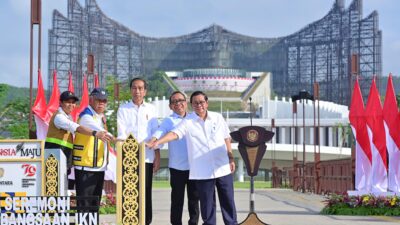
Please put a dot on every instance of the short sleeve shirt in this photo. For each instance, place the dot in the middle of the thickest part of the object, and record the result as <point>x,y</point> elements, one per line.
<point>205,140</point>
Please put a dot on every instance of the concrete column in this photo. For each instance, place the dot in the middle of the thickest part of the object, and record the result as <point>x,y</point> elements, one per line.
<point>283,135</point>
<point>301,136</point>
<point>340,140</point>
<point>322,136</point>
<point>240,174</point>
<point>311,133</point>
<point>330,136</point>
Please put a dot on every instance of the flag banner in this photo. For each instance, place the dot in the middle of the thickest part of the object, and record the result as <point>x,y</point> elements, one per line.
<point>376,132</point>
<point>39,107</point>
<point>111,172</point>
<point>392,130</point>
<point>96,80</point>
<point>41,128</point>
<point>70,82</point>
<point>363,155</point>
<point>84,100</point>
<point>39,110</point>
<point>54,101</point>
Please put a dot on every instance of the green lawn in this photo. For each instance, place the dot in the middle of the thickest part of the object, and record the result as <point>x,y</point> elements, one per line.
<point>246,184</point>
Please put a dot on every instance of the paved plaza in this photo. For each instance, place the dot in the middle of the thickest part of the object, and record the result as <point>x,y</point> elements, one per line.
<point>273,206</point>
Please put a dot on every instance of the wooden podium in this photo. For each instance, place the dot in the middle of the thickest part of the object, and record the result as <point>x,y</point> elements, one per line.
<point>252,149</point>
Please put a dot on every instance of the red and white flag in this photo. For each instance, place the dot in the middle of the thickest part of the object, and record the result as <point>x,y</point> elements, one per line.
<point>39,110</point>
<point>70,82</point>
<point>358,124</point>
<point>96,80</point>
<point>54,101</point>
<point>376,132</point>
<point>392,128</point>
<point>84,100</point>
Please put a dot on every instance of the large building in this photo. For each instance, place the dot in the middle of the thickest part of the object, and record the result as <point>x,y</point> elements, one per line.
<point>319,52</point>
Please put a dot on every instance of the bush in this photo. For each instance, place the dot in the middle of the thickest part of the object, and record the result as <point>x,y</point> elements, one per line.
<point>362,205</point>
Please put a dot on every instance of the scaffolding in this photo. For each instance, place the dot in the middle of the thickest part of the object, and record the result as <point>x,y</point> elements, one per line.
<point>320,52</point>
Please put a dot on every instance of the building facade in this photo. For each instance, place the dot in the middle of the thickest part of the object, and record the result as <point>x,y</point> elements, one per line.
<point>320,52</point>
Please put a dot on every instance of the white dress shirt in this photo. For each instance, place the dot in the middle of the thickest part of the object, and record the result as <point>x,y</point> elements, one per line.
<point>94,122</point>
<point>207,151</point>
<point>140,121</point>
<point>177,155</point>
<point>65,122</point>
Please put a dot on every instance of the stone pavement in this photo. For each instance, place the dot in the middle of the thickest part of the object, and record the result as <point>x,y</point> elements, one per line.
<point>273,206</point>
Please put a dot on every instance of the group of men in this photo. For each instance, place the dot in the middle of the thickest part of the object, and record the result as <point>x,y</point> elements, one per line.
<point>200,154</point>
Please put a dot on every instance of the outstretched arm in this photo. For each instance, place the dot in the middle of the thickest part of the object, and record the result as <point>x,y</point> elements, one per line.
<point>154,143</point>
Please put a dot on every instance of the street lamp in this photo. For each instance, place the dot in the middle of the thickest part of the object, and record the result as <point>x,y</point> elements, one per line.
<point>303,95</point>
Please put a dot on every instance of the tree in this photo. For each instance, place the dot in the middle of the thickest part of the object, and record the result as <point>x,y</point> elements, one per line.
<point>14,117</point>
<point>157,87</point>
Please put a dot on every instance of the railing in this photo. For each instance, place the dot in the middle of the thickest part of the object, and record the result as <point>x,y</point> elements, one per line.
<point>335,176</point>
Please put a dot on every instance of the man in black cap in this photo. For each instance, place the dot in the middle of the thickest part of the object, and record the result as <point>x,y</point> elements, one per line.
<point>90,155</point>
<point>62,127</point>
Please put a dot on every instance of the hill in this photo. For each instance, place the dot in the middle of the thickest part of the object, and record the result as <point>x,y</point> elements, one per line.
<point>10,93</point>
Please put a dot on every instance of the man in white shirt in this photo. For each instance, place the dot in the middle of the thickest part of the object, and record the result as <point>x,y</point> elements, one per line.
<point>210,158</point>
<point>90,155</point>
<point>178,164</point>
<point>139,118</point>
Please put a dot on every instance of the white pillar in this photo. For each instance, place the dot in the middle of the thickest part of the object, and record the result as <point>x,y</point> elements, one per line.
<point>330,136</point>
<point>283,135</point>
<point>340,140</point>
<point>163,107</point>
<point>293,131</point>
<point>311,135</point>
<point>322,136</point>
<point>301,135</point>
<point>240,174</point>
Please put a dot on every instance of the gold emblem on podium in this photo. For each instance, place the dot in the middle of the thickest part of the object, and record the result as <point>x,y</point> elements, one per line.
<point>252,135</point>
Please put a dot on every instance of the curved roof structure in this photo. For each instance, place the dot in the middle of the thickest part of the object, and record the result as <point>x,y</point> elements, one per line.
<point>319,52</point>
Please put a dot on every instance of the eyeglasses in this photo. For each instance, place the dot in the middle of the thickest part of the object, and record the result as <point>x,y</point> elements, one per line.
<point>177,101</point>
<point>199,103</point>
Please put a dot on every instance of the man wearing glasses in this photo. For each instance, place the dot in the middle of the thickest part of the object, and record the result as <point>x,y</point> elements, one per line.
<point>210,158</point>
<point>178,164</point>
<point>139,118</point>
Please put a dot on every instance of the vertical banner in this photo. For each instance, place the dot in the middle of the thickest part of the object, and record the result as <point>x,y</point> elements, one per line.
<point>358,125</point>
<point>130,182</point>
<point>392,129</point>
<point>376,131</point>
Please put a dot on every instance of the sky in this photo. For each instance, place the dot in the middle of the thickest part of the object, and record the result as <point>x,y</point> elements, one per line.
<point>168,18</point>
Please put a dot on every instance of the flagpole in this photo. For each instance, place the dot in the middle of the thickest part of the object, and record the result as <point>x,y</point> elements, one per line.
<point>36,19</point>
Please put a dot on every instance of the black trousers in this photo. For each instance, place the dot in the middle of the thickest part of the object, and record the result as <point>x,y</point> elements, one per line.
<point>89,183</point>
<point>206,189</point>
<point>149,188</point>
<point>179,180</point>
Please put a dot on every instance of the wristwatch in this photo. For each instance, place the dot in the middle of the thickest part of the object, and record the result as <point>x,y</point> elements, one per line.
<point>94,133</point>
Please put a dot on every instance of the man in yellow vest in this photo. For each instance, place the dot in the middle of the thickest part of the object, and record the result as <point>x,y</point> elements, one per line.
<point>90,155</point>
<point>62,128</point>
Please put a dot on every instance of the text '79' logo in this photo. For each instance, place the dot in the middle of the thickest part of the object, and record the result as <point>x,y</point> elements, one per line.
<point>29,170</point>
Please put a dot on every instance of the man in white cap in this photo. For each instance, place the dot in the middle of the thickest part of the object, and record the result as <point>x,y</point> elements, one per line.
<point>90,155</point>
